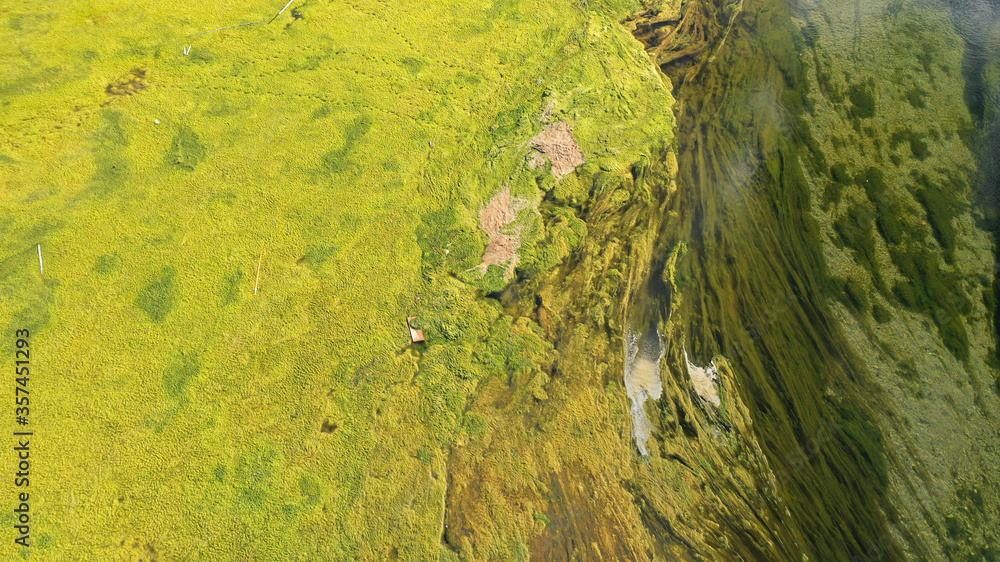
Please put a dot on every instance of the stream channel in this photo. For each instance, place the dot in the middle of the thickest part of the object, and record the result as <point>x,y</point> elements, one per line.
<point>829,240</point>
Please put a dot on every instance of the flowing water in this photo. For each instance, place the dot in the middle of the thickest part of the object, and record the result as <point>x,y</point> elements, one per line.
<point>835,255</point>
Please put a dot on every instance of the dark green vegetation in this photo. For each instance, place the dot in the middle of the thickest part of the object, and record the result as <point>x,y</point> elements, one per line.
<point>838,173</point>
<point>178,374</point>
<point>919,148</point>
<point>230,291</point>
<point>107,264</point>
<point>338,160</point>
<point>854,230</point>
<point>157,298</point>
<point>862,101</point>
<point>111,167</point>
<point>916,97</point>
<point>929,286</point>
<point>186,150</point>
<point>880,314</point>
<point>448,246</point>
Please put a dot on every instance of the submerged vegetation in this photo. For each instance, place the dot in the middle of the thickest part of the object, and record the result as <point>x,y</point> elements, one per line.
<point>883,244</point>
<point>240,225</point>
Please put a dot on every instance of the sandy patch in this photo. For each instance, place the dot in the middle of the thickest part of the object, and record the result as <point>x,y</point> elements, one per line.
<point>704,381</point>
<point>502,247</point>
<point>558,144</point>
<point>643,354</point>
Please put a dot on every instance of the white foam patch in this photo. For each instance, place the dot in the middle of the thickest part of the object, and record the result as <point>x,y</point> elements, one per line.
<point>642,381</point>
<point>704,380</point>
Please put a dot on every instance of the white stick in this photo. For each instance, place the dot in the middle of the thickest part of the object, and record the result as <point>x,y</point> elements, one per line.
<point>257,282</point>
<point>282,10</point>
<point>41,266</point>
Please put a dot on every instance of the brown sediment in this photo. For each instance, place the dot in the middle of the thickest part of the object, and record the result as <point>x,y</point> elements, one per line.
<point>557,142</point>
<point>646,374</point>
<point>536,160</point>
<point>642,382</point>
<point>503,246</point>
<point>130,83</point>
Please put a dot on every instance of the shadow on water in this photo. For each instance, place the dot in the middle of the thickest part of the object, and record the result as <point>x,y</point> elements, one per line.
<point>754,283</point>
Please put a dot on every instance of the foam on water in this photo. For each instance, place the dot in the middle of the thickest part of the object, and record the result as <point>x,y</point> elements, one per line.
<point>704,380</point>
<point>643,353</point>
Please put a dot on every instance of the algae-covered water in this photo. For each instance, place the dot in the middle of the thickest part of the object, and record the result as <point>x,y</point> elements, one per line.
<point>825,175</point>
<point>711,279</point>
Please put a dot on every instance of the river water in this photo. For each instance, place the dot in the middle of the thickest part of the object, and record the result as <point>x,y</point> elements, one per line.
<point>833,243</point>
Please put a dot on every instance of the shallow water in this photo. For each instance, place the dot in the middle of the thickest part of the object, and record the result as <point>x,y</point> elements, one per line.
<point>831,201</point>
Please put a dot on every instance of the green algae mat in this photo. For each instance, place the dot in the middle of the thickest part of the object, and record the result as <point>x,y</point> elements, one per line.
<point>232,227</point>
<point>220,225</point>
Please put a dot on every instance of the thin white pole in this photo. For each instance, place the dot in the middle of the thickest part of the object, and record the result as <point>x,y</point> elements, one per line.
<point>257,282</point>
<point>282,11</point>
<point>41,266</point>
